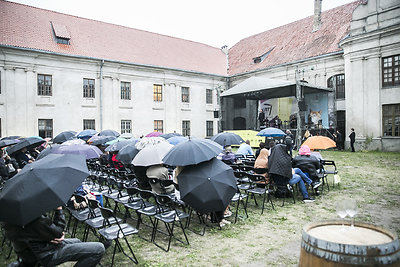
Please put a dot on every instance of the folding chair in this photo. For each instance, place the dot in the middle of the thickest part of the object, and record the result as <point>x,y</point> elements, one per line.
<point>80,214</point>
<point>148,209</point>
<point>239,198</point>
<point>281,184</point>
<point>169,215</point>
<point>116,232</point>
<point>259,187</point>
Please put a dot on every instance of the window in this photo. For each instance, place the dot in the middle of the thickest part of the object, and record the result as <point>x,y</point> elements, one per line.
<point>209,128</point>
<point>88,88</point>
<point>185,94</point>
<point>126,90</point>
<point>186,128</point>
<point>158,126</point>
<point>45,127</point>
<point>89,124</point>
<point>340,86</point>
<point>391,71</point>
<point>61,33</point>
<point>44,85</point>
<point>239,103</point>
<point>157,92</point>
<point>209,96</point>
<point>126,126</point>
<point>391,120</point>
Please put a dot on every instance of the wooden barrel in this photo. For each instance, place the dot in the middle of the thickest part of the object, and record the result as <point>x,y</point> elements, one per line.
<point>327,244</point>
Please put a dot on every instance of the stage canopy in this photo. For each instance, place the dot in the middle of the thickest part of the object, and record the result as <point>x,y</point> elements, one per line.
<point>258,88</point>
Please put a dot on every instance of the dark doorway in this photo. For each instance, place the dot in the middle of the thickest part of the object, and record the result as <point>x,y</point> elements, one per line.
<point>341,126</point>
<point>239,123</point>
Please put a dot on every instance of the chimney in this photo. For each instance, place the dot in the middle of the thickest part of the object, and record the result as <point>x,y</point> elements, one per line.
<point>225,50</point>
<point>317,15</point>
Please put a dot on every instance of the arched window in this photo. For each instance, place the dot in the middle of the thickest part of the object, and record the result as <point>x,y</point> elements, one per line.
<point>337,80</point>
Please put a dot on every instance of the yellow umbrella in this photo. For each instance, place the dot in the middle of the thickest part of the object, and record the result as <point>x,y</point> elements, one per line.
<point>249,135</point>
<point>319,142</point>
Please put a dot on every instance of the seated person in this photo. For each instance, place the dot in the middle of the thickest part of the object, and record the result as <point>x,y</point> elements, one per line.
<point>159,172</point>
<point>245,149</point>
<point>22,157</point>
<point>228,156</point>
<point>261,163</point>
<point>280,166</point>
<point>308,164</point>
<point>43,240</point>
<point>261,146</point>
<point>141,177</point>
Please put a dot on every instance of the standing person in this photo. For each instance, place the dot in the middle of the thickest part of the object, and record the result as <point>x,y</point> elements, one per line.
<point>289,142</point>
<point>245,149</point>
<point>43,240</point>
<point>261,118</point>
<point>339,140</point>
<point>352,137</point>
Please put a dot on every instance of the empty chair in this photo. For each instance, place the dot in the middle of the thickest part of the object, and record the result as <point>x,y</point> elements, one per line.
<point>170,215</point>
<point>238,199</point>
<point>260,187</point>
<point>147,209</point>
<point>117,231</point>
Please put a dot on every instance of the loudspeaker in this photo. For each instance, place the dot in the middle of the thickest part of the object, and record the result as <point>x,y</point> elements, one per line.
<point>302,105</point>
<point>216,114</point>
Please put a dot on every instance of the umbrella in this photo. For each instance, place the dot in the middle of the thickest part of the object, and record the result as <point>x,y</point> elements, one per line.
<point>271,132</point>
<point>169,135</point>
<point>64,136</point>
<point>8,142</point>
<point>126,135</point>
<point>118,145</point>
<point>250,135</point>
<point>74,142</point>
<point>127,153</point>
<point>319,142</point>
<point>176,140</point>
<point>13,137</point>
<point>118,139</point>
<point>152,154</point>
<point>90,152</point>
<point>145,141</point>
<point>86,134</point>
<point>109,133</point>
<point>227,139</point>
<point>51,149</point>
<point>29,142</point>
<point>208,186</point>
<point>153,134</point>
<point>192,152</point>
<point>40,187</point>
<point>100,140</point>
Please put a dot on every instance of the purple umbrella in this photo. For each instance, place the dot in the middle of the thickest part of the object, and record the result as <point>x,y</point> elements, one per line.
<point>154,134</point>
<point>90,152</point>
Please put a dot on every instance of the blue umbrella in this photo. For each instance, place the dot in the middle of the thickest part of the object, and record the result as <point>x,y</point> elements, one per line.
<point>271,132</point>
<point>86,134</point>
<point>169,135</point>
<point>109,133</point>
<point>176,140</point>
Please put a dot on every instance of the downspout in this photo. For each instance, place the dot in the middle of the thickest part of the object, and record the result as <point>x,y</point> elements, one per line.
<point>101,94</point>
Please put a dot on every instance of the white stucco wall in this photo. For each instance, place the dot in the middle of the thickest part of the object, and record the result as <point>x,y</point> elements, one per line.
<point>21,107</point>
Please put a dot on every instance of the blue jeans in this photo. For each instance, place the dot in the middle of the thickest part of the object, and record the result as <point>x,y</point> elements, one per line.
<point>297,179</point>
<point>87,254</point>
<point>305,178</point>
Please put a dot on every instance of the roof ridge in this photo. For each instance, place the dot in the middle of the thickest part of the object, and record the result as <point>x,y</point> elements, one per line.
<point>297,21</point>
<point>118,25</point>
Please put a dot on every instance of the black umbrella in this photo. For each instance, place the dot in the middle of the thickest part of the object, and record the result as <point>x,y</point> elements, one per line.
<point>127,153</point>
<point>192,152</point>
<point>40,187</point>
<point>8,142</point>
<point>100,140</point>
<point>169,135</point>
<point>109,133</point>
<point>227,139</point>
<point>13,137</point>
<point>120,144</point>
<point>208,186</point>
<point>29,142</point>
<point>50,149</point>
<point>64,136</point>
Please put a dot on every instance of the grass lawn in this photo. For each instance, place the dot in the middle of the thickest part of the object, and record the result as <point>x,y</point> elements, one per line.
<point>273,239</point>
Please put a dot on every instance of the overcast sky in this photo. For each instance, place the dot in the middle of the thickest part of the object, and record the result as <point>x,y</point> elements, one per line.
<point>213,22</point>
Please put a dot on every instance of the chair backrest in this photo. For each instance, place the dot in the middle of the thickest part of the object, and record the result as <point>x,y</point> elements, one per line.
<point>250,157</point>
<point>164,202</point>
<point>93,204</point>
<point>246,168</point>
<point>145,194</point>
<point>239,174</point>
<point>107,215</point>
<point>257,178</point>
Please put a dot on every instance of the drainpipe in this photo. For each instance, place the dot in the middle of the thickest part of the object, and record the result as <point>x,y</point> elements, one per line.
<point>101,94</point>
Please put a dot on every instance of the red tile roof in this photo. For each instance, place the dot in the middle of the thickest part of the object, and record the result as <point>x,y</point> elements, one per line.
<point>292,42</point>
<point>30,27</point>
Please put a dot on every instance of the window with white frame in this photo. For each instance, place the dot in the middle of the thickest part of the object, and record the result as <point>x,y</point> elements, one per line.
<point>126,126</point>
<point>391,71</point>
<point>209,128</point>
<point>158,126</point>
<point>186,128</point>
<point>185,94</point>
<point>126,90</point>
<point>209,96</point>
<point>45,127</point>
<point>89,124</point>
<point>157,93</point>
<point>88,88</point>
<point>44,85</point>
